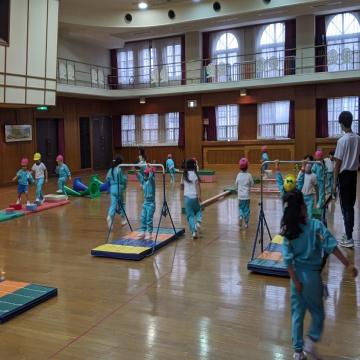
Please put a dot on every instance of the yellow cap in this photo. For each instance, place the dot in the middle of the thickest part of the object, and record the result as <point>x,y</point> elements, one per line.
<point>37,156</point>
<point>289,183</point>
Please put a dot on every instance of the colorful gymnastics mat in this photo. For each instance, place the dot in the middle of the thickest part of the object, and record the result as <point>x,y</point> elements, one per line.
<point>17,297</point>
<point>270,261</point>
<point>131,248</point>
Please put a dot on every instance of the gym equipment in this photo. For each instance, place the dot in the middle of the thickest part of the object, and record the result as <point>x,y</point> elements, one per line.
<point>31,207</point>
<point>46,206</point>
<point>270,261</point>
<point>5,216</point>
<point>71,192</point>
<point>93,190</point>
<point>16,206</point>
<point>78,185</point>
<point>130,247</point>
<point>55,197</point>
<point>18,297</point>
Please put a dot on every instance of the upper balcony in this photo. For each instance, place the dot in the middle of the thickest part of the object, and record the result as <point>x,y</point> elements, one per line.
<point>266,69</point>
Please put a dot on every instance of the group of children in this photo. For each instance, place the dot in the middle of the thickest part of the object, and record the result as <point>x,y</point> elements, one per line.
<point>39,176</point>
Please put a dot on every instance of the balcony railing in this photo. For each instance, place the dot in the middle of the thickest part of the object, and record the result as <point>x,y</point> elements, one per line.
<point>344,56</point>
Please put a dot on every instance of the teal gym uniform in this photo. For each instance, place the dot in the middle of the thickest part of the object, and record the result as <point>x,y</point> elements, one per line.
<point>193,212</point>
<point>280,182</point>
<point>244,181</point>
<point>118,182</point>
<point>148,210</point>
<point>170,167</point>
<point>305,254</point>
<point>265,157</point>
<point>244,210</point>
<point>24,178</point>
<point>64,173</point>
<point>318,170</point>
<point>39,171</point>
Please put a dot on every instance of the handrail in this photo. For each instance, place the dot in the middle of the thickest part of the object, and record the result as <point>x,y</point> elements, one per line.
<point>141,165</point>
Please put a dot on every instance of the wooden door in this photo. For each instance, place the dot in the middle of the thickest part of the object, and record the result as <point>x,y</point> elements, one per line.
<point>102,142</point>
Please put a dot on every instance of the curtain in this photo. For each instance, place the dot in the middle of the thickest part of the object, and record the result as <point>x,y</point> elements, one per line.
<point>181,141</point>
<point>320,43</point>
<point>291,131</point>
<point>113,77</point>
<point>322,130</point>
<point>183,64</point>
<point>61,137</point>
<point>117,134</point>
<point>210,114</point>
<point>290,47</point>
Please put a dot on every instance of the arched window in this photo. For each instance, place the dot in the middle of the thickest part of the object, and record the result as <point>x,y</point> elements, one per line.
<point>271,51</point>
<point>226,53</point>
<point>342,37</point>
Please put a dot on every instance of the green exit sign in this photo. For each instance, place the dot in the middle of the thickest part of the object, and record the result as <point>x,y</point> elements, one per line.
<point>42,108</point>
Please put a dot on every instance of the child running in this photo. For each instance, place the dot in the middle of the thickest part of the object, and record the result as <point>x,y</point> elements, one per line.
<point>147,181</point>
<point>170,167</point>
<point>329,165</point>
<point>244,181</point>
<point>305,242</point>
<point>40,173</point>
<point>190,182</point>
<point>117,181</point>
<point>309,189</point>
<point>24,178</point>
<point>64,174</point>
<point>318,170</point>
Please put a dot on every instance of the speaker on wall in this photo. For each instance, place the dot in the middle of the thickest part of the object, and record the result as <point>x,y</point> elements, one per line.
<point>128,18</point>
<point>267,1</point>
<point>171,14</point>
<point>216,6</point>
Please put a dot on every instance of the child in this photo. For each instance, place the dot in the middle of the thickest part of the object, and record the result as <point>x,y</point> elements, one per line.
<point>244,181</point>
<point>63,172</point>
<point>318,170</point>
<point>310,184</point>
<point>40,173</point>
<point>265,157</point>
<point>24,178</point>
<point>196,164</point>
<point>305,241</point>
<point>170,167</point>
<point>329,164</point>
<point>147,180</point>
<point>290,182</point>
<point>190,182</point>
<point>117,181</point>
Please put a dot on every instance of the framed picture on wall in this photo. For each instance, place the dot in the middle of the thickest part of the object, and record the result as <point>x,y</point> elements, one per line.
<point>15,133</point>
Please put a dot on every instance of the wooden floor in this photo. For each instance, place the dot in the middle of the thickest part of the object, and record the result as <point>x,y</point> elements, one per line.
<point>192,300</point>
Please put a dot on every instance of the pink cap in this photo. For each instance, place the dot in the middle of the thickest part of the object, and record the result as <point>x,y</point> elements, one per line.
<point>149,169</point>
<point>243,163</point>
<point>319,154</point>
<point>263,148</point>
<point>59,158</point>
<point>169,155</point>
<point>24,162</point>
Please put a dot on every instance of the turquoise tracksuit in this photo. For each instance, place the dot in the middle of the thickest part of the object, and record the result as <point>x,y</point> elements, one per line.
<point>148,210</point>
<point>193,212</point>
<point>329,182</point>
<point>24,179</point>
<point>170,167</point>
<point>318,170</point>
<point>244,210</point>
<point>39,184</point>
<point>63,173</point>
<point>309,202</point>
<point>305,254</point>
<point>280,182</point>
<point>265,157</point>
<point>118,181</point>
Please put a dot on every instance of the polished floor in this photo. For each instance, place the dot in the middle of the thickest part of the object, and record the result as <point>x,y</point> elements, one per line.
<point>192,300</point>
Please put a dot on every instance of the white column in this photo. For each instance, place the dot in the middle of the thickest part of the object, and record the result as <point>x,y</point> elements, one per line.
<point>192,56</point>
<point>305,42</point>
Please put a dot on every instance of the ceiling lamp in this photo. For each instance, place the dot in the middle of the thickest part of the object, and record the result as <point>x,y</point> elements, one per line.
<point>143,5</point>
<point>142,100</point>
<point>243,92</point>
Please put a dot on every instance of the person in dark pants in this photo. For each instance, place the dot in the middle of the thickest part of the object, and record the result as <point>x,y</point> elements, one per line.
<point>345,174</point>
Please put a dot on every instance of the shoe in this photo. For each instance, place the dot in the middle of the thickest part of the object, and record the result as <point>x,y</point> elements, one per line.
<point>241,223</point>
<point>194,235</point>
<point>310,349</point>
<point>18,202</point>
<point>345,242</point>
<point>198,227</point>
<point>109,222</point>
<point>37,200</point>
<point>123,221</point>
<point>59,191</point>
<point>246,225</point>
<point>325,291</point>
<point>299,356</point>
<point>28,203</point>
<point>148,236</point>
<point>141,236</point>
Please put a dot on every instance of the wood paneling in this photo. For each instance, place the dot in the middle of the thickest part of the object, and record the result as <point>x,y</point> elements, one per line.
<point>248,122</point>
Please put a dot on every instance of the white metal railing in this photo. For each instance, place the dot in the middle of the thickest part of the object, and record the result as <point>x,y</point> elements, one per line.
<point>344,56</point>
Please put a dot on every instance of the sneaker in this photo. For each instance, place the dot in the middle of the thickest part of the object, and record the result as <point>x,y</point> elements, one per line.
<point>310,349</point>
<point>123,221</point>
<point>59,191</point>
<point>194,235</point>
<point>109,222</point>
<point>18,202</point>
<point>299,356</point>
<point>246,225</point>
<point>345,242</point>
<point>37,200</point>
<point>141,236</point>
<point>198,227</point>
<point>148,236</point>
<point>325,291</point>
<point>240,222</point>
<point>27,203</point>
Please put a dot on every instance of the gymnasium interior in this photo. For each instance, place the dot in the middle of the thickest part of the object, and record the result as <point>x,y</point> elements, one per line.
<point>213,81</point>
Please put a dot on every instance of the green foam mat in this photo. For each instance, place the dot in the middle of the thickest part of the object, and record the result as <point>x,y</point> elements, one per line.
<point>4,216</point>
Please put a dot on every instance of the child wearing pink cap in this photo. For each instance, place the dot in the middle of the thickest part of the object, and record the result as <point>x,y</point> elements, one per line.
<point>24,178</point>
<point>170,167</point>
<point>244,181</point>
<point>318,170</point>
<point>64,174</point>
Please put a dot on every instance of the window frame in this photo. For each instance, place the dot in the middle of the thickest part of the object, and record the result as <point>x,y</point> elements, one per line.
<point>229,127</point>
<point>173,130</point>
<point>124,131</point>
<point>151,130</point>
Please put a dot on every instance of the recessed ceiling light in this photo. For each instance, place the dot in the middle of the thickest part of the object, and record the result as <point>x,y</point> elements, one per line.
<point>196,1</point>
<point>142,5</point>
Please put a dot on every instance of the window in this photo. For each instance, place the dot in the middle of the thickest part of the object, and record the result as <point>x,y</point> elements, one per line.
<point>126,64</point>
<point>147,63</point>
<point>172,128</point>
<point>342,37</point>
<point>273,120</point>
<point>271,48</point>
<point>225,55</point>
<point>173,62</point>
<point>335,107</point>
<point>150,128</point>
<point>227,122</point>
<point>128,136</point>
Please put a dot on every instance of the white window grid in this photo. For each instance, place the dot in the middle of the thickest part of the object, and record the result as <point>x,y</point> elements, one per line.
<point>227,122</point>
<point>335,107</point>
<point>172,128</point>
<point>150,128</point>
<point>126,71</point>
<point>128,130</point>
<point>273,120</point>
<point>173,62</point>
<point>147,64</point>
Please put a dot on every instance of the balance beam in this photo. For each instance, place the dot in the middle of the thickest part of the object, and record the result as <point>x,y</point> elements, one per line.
<point>215,198</point>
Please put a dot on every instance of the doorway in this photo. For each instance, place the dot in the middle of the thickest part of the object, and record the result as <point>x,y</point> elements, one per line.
<point>102,142</point>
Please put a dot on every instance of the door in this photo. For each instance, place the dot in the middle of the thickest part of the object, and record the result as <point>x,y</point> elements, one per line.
<point>85,143</point>
<point>102,142</point>
<point>47,142</point>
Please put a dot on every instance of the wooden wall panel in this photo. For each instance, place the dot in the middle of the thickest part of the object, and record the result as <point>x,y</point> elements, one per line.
<point>248,122</point>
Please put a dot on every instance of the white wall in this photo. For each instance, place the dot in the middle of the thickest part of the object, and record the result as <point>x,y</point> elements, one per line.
<point>28,64</point>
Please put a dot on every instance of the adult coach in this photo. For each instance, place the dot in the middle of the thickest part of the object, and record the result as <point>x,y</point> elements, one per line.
<point>345,174</point>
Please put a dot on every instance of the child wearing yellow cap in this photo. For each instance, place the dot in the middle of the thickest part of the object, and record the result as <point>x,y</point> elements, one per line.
<point>40,174</point>
<point>290,182</point>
